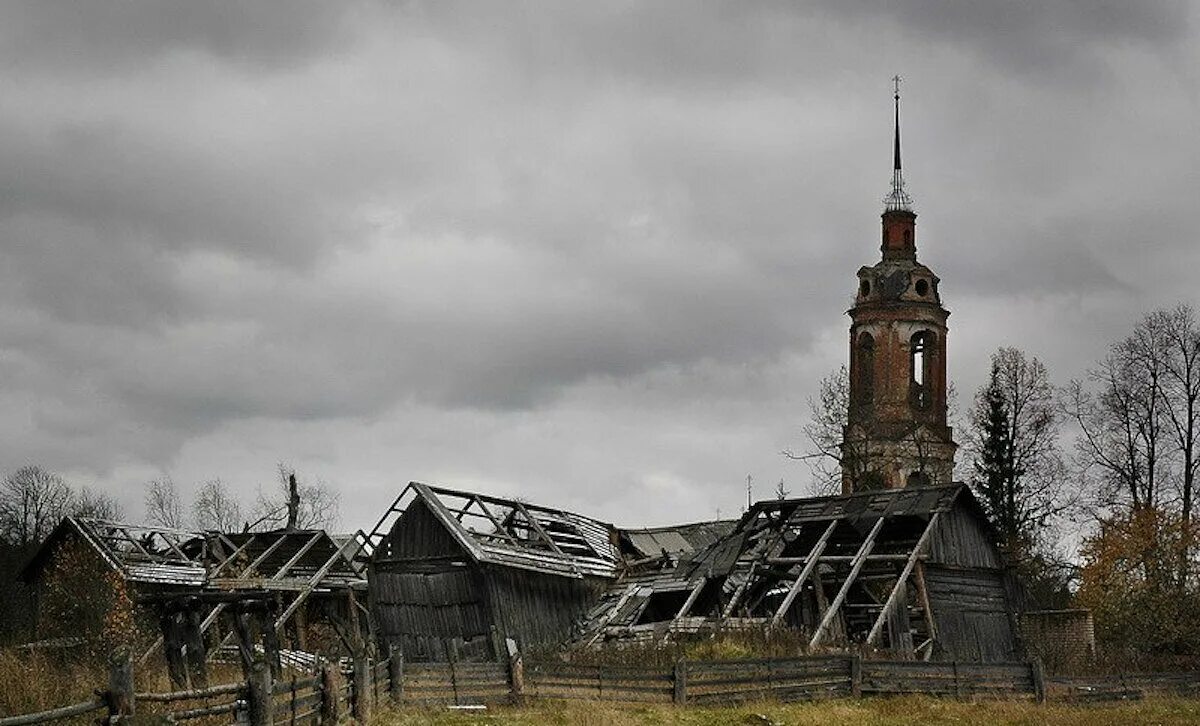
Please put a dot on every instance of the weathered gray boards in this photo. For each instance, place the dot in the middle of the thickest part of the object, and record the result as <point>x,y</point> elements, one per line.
<point>458,573</point>
<point>912,571</point>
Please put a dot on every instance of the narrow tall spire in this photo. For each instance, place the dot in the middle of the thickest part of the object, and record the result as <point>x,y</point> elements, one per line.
<point>897,200</point>
<point>896,165</point>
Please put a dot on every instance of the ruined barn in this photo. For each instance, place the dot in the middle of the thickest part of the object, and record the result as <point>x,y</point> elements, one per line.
<point>309,576</point>
<point>454,574</point>
<point>912,571</point>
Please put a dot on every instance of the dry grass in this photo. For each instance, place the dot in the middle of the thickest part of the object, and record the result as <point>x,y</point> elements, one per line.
<point>869,712</point>
<point>38,681</point>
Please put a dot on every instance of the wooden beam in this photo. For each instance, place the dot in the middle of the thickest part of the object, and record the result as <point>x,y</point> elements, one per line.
<point>923,597</point>
<point>499,527</point>
<point>835,606</point>
<point>738,592</point>
<point>893,596</point>
<point>691,599</point>
<point>809,563</point>
<point>299,554</point>
<point>312,583</point>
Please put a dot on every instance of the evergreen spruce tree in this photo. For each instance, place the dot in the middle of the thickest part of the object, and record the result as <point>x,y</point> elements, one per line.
<point>997,478</point>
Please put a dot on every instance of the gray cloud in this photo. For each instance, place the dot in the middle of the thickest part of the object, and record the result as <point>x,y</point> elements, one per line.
<point>556,249</point>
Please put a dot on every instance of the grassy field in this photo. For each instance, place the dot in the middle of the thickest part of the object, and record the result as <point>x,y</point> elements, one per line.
<point>869,712</point>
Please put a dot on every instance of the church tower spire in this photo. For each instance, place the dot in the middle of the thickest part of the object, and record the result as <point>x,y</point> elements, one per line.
<point>896,433</point>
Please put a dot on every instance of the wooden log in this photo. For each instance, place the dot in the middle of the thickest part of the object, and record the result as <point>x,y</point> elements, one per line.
<point>330,687</point>
<point>193,638</point>
<point>516,675</point>
<point>361,705</point>
<point>258,699</point>
<point>856,675</point>
<point>396,673</point>
<point>1038,674</point>
<point>56,714</point>
<point>119,697</point>
<point>680,678</point>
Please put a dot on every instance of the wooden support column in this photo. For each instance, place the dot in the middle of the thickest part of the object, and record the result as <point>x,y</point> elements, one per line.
<point>810,562</point>
<point>859,558</point>
<point>331,684</point>
<point>193,638</point>
<point>259,702</point>
<point>362,687</point>
<point>923,598</point>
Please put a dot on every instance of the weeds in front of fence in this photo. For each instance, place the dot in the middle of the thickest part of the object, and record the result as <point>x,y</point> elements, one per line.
<point>892,711</point>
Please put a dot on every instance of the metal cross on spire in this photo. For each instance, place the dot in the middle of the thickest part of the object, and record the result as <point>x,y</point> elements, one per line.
<point>897,199</point>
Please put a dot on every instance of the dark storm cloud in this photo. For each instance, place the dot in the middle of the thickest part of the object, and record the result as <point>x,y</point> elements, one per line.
<point>544,248</point>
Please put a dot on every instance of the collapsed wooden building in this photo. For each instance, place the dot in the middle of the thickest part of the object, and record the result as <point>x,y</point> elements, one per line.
<point>183,581</point>
<point>912,571</point>
<point>454,574</point>
<point>915,571</point>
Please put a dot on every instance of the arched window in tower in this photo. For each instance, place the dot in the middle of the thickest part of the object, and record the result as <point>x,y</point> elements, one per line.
<point>921,354</point>
<point>866,369</point>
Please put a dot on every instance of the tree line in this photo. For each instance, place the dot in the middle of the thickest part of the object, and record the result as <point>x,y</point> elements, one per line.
<point>1106,464</point>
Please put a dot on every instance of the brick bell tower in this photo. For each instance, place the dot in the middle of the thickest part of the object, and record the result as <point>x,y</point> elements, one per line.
<point>896,433</point>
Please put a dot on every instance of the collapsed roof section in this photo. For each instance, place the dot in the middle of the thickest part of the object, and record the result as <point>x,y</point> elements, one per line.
<point>509,532</point>
<point>147,555</point>
<point>845,568</point>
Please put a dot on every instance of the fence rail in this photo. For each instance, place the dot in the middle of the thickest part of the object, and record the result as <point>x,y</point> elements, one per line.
<point>336,693</point>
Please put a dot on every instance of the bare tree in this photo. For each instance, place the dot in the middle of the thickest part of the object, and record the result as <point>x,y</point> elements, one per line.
<point>1180,335</point>
<point>215,508</point>
<point>297,504</point>
<point>163,504</point>
<point>826,454</point>
<point>95,505</point>
<point>1122,423</point>
<point>32,501</point>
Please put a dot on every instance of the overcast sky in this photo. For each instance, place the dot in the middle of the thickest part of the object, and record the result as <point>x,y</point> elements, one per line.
<point>593,254</point>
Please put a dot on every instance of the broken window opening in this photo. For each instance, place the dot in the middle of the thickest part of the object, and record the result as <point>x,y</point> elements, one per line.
<point>921,354</point>
<point>866,368</point>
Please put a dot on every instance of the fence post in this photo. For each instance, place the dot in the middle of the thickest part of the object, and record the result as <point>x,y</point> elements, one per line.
<point>957,683</point>
<point>120,686</point>
<point>856,675</point>
<point>361,706</point>
<point>259,702</point>
<point>329,693</point>
<point>680,682</point>
<point>1038,673</point>
<point>396,673</point>
<point>516,676</point>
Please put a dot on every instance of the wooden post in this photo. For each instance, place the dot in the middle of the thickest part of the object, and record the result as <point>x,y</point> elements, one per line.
<point>680,683</point>
<point>516,676</point>
<point>856,675</point>
<point>194,640</point>
<point>957,683</point>
<point>330,685</point>
<point>259,702</point>
<point>1038,673</point>
<point>361,706</point>
<point>120,686</point>
<point>396,673</point>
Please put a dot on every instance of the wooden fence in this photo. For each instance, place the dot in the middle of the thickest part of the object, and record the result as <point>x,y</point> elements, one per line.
<point>355,690</point>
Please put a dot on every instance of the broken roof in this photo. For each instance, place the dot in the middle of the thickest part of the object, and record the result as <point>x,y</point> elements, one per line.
<point>494,530</point>
<point>679,539</point>
<point>151,555</point>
